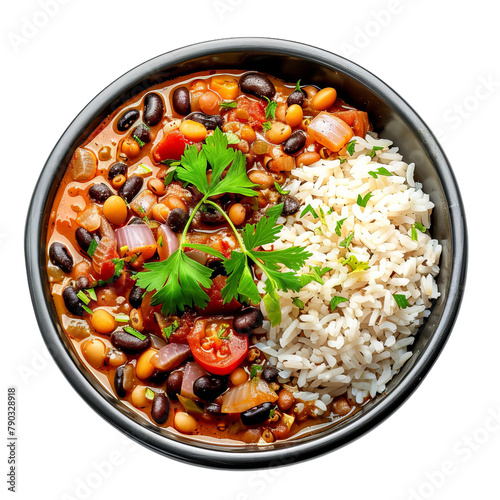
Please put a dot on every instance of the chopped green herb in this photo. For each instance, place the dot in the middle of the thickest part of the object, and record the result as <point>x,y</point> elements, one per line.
<point>420,227</point>
<point>297,302</point>
<point>225,105</point>
<point>122,318</point>
<point>355,264</point>
<point>87,308</point>
<point>350,147</point>
<point>266,126</point>
<point>336,301</point>
<point>316,274</point>
<point>374,149</point>
<point>139,141</point>
<point>167,331</point>
<point>318,231</point>
<point>91,293</point>
<point>338,226</point>
<point>134,332</point>
<point>342,160</point>
<point>92,248</point>
<point>401,300</point>
<point>149,394</point>
<point>347,241</point>
<point>309,209</point>
<point>143,169</point>
<point>363,200</point>
<point>160,241</point>
<point>272,410</point>
<point>232,138</point>
<point>280,189</point>
<point>171,172</point>
<point>380,171</point>
<point>83,297</point>
<point>254,370</point>
<point>297,86</point>
<point>220,333</point>
<point>271,109</point>
<point>414,227</point>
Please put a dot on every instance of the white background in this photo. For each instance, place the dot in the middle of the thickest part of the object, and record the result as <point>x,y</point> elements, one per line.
<point>441,57</point>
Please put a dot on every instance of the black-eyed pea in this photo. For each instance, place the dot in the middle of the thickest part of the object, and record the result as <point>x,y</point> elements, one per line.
<point>185,423</point>
<point>144,368</point>
<point>261,178</point>
<point>136,320</point>
<point>94,351</point>
<point>138,396</point>
<point>116,358</point>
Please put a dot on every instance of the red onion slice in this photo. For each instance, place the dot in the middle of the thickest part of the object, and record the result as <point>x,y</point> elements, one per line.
<point>169,242</point>
<point>192,373</point>
<point>135,237</point>
<point>171,356</point>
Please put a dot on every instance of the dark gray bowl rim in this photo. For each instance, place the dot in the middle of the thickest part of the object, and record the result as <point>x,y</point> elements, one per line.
<point>35,261</point>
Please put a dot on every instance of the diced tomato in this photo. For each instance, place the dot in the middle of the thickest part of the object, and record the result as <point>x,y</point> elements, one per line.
<point>150,324</point>
<point>357,120</point>
<point>216,347</point>
<point>248,111</point>
<point>216,304</point>
<point>179,336</point>
<point>171,147</point>
<point>107,270</point>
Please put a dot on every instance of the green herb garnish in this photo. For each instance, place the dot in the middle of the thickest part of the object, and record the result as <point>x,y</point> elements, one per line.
<point>297,302</point>
<point>180,282</point>
<point>139,141</point>
<point>374,149</point>
<point>254,370</point>
<point>134,332</point>
<point>271,108</point>
<point>83,297</point>
<point>336,301</point>
<point>280,189</point>
<point>380,171</point>
<point>350,147</point>
<point>363,200</point>
<point>160,241</point>
<point>92,248</point>
<point>167,331</point>
<point>87,308</point>
<point>232,138</point>
<point>414,227</point>
<point>355,264</point>
<point>149,394</point>
<point>316,274</point>
<point>401,300</point>
<point>309,209</point>
<point>297,86</point>
<point>91,293</point>
<point>122,318</point>
<point>222,329</point>
<point>338,226</point>
<point>143,169</point>
<point>266,126</point>
<point>225,105</point>
<point>347,241</point>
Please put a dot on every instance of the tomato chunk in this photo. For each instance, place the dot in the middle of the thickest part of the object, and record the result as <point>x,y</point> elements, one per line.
<point>171,147</point>
<point>216,346</point>
<point>248,111</point>
<point>357,120</point>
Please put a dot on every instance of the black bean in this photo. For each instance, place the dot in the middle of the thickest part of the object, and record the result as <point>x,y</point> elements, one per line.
<point>296,97</point>
<point>83,238</point>
<point>210,215</point>
<point>60,257</point>
<point>181,102</point>
<point>258,85</point>
<point>247,320</point>
<point>270,373</point>
<point>211,122</point>
<point>174,384</point>
<point>100,192</point>
<point>82,283</point>
<point>295,142</point>
<point>72,302</point>
<point>142,133</point>
<point>135,296</point>
<point>117,168</point>
<point>131,188</point>
<point>153,109</point>
<point>177,219</point>
<point>209,387</point>
<point>118,381</point>
<point>160,408</point>
<point>158,377</point>
<point>257,414</point>
<point>127,119</point>
<point>128,343</point>
<point>290,205</point>
<point>218,269</point>
<point>213,408</point>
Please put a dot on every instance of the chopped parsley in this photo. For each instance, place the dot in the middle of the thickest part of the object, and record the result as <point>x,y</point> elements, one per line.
<point>92,247</point>
<point>309,209</point>
<point>401,300</point>
<point>225,105</point>
<point>414,227</point>
<point>338,226</point>
<point>347,241</point>
<point>297,85</point>
<point>280,189</point>
<point>350,147</point>
<point>232,138</point>
<point>222,330</point>
<point>254,370</point>
<point>297,302</point>
<point>355,264</point>
<point>271,108</point>
<point>336,301</point>
<point>316,274</point>
<point>167,331</point>
<point>380,171</point>
<point>374,150</point>
<point>134,332</point>
<point>363,200</point>
<point>266,126</point>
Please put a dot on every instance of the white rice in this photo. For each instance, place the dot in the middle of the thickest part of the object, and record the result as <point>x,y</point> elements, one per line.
<point>360,345</point>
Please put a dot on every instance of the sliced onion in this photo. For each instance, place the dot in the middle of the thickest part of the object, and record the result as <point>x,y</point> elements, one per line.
<point>105,248</point>
<point>137,238</point>
<point>83,165</point>
<point>197,255</point>
<point>106,229</point>
<point>171,356</point>
<point>243,397</point>
<point>192,373</point>
<point>169,242</point>
<point>90,219</point>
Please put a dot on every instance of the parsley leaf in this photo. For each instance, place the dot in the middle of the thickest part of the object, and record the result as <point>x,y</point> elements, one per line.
<point>271,109</point>
<point>338,226</point>
<point>297,86</point>
<point>401,300</point>
<point>297,302</point>
<point>232,138</point>
<point>316,274</point>
<point>168,330</point>
<point>224,105</point>
<point>380,171</point>
<point>355,264</point>
<point>336,301</point>
<point>374,149</point>
<point>309,209</point>
<point>363,200</point>
<point>414,227</point>
<point>222,330</point>
<point>254,370</point>
<point>350,147</point>
<point>280,189</point>
<point>346,242</point>
<point>266,126</point>
<point>92,247</point>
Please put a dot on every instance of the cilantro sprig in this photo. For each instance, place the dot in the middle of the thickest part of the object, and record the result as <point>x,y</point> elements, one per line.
<point>179,282</point>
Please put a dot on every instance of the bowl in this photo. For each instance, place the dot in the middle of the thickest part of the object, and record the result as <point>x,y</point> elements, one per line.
<point>391,116</point>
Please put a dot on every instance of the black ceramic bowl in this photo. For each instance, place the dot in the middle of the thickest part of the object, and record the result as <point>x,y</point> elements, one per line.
<point>391,116</point>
